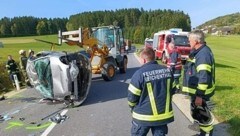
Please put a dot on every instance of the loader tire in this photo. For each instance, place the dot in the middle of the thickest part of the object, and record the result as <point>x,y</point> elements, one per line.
<point>108,71</point>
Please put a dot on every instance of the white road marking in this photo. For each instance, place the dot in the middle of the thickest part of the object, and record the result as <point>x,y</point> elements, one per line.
<point>49,129</point>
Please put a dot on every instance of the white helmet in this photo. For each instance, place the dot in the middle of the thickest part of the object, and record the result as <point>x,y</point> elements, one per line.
<point>21,52</point>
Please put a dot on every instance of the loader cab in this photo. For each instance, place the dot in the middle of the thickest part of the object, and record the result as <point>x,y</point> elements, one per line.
<point>111,36</point>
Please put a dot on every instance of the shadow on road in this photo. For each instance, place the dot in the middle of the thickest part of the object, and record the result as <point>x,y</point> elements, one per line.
<point>102,91</point>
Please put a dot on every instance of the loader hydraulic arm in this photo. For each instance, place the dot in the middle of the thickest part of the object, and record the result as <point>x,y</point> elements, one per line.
<point>83,39</point>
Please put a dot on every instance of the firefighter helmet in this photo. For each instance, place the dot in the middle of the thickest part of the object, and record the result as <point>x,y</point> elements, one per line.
<point>202,115</point>
<point>21,52</point>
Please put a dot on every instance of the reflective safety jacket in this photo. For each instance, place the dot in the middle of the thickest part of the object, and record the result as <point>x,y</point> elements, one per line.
<point>150,95</point>
<point>199,73</point>
<point>12,67</point>
<point>174,60</point>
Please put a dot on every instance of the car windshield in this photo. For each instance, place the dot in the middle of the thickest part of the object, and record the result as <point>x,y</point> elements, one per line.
<point>181,40</point>
<point>104,36</point>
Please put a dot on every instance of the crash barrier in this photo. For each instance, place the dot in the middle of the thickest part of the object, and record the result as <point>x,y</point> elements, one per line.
<point>16,82</point>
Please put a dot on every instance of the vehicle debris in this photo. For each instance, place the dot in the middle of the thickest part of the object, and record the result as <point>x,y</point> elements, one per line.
<point>58,118</point>
<point>2,98</point>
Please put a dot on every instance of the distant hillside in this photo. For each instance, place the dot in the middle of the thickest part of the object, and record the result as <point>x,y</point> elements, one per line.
<point>232,21</point>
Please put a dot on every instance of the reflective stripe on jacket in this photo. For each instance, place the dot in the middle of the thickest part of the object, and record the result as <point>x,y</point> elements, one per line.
<point>199,73</point>
<point>150,95</point>
<point>12,67</point>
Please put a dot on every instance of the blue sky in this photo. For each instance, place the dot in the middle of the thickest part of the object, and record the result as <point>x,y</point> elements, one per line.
<point>199,11</point>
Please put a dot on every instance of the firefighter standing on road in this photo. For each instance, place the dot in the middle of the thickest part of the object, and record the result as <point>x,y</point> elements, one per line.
<point>174,62</point>
<point>199,75</point>
<point>149,97</point>
<point>12,69</point>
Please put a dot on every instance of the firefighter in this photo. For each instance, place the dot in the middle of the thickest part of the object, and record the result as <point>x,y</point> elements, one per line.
<point>30,54</point>
<point>174,62</point>
<point>23,64</point>
<point>199,75</point>
<point>12,69</point>
<point>149,97</point>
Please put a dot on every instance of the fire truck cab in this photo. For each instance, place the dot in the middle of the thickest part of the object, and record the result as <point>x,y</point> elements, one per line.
<point>148,42</point>
<point>161,40</point>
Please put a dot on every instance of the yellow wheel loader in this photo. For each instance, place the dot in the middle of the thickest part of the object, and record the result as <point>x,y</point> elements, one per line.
<point>105,45</point>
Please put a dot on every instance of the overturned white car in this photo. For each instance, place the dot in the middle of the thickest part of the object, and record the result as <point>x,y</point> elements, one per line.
<point>61,76</point>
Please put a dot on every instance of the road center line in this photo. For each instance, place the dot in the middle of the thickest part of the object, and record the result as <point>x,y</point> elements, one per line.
<point>49,129</point>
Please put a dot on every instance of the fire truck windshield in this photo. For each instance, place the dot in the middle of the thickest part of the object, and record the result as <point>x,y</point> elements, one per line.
<point>181,40</point>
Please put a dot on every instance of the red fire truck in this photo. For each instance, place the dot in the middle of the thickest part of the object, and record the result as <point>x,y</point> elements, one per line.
<point>161,40</point>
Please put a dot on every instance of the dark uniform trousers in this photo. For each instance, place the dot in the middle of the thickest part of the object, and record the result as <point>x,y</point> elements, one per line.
<point>138,130</point>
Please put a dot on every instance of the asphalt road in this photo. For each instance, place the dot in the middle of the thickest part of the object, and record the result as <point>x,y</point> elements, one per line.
<point>104,113</point>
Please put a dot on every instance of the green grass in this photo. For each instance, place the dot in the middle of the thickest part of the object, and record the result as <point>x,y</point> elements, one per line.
<point>13,45</point>
<point>227,53</point>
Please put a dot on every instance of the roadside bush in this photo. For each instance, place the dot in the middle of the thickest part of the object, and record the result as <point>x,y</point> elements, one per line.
<point>4,78</point>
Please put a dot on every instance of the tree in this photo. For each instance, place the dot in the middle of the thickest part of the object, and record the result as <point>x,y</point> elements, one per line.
<point>5,27</point>
<point>42,28</point>
<point>137,35</point>
<point>14,29</point>
<point>143,20</point>
<point>107,19</point>
<point>4,30</point>
<point>69,26</point>
<point>147,21</point>
<point>126,21</point>
<point>236,29</point>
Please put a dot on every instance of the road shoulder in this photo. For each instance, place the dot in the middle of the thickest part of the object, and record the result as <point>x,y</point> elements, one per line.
<point>183,103</point>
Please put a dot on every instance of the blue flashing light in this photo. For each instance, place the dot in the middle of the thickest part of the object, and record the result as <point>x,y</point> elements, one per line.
<point>174,31</point>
